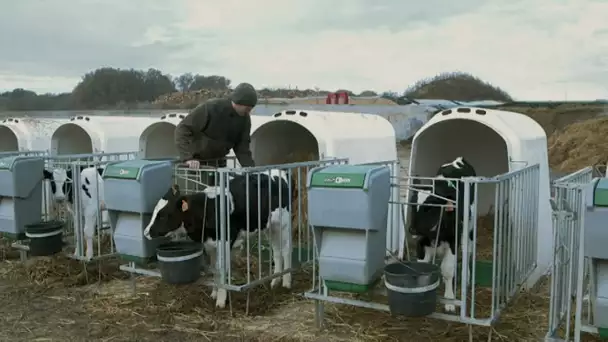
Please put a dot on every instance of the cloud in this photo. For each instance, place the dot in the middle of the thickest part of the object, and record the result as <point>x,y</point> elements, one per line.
<point>534,50</point>
<point>528,53</point>
<point>65,38</point>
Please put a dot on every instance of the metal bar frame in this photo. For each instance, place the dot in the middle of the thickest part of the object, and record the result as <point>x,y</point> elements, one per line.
<point>517,192</point>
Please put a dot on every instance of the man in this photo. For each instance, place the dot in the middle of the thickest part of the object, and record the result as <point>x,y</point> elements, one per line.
<point>212,129</point>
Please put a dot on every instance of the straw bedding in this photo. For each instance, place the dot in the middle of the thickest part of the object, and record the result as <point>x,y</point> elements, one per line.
<point>187,313</point>
<point>485,237</point>
<point>164,312</point>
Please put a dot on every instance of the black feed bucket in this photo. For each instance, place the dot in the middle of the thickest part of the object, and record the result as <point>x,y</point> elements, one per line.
<point>46,238</point>
<point>180,261</point>
<point>412,288</point>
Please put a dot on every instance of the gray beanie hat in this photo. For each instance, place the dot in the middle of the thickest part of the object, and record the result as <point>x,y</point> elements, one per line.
<point>244,94</point>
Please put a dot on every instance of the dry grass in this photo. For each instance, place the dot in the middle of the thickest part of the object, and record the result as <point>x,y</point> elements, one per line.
<point>553,118</point>
<point>61,271</point>
<point>579,145</point>
<point>156,310</point>
<point>108,310</point>
<point>353,100</point>
<point>6,251</point>
<point>485,237</point>
<point>103,243</point>
<point>97,304</point>
<point>524,321</point>
<point>458,86</point>
<point>299,212</point>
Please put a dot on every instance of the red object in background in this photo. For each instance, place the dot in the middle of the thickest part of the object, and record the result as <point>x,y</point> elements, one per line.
<point>337,98</point>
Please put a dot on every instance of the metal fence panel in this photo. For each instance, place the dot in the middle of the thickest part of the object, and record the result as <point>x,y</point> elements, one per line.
<point>568,209</point>
<point>513,246</point>
<point>66,170</point>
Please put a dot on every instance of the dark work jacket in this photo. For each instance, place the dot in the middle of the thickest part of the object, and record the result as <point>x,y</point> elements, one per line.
<point>211,130</point>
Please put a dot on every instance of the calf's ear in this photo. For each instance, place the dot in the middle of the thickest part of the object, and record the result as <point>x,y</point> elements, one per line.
<point>184,204</point>
<point>175,189</point>
<point>47,174</point>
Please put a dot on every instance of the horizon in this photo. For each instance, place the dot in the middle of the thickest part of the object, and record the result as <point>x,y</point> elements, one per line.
<point>539,50</point>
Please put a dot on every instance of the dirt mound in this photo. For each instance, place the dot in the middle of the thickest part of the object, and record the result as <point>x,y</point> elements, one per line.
<point>579,145</point>
<point>353,100</point>
<point>457,86</point>
<point>555,117</point>
<point>191,99</point>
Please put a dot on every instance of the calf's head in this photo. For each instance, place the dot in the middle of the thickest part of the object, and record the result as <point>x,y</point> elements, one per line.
<point>434,213</point>
<point>280,183</point>
<point>61,183</point>
<point>458,168</point>
<point>167,215</point>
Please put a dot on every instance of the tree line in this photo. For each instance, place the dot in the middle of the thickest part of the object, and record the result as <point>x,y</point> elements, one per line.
<point>112,88</point>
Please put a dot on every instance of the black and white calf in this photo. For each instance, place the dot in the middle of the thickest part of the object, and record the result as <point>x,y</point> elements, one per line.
<point>436,223</point>
<point>197,214</point>
<point>91,197</point>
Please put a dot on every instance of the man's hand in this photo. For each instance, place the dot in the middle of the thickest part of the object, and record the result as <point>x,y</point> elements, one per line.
<point>193,164</point>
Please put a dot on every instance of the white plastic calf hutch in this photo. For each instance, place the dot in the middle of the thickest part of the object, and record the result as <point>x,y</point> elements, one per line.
<point>494,142</point>
<point>27,134</point>
<point>98,134</point>
<point>362,138</point>
<point>157,139</point>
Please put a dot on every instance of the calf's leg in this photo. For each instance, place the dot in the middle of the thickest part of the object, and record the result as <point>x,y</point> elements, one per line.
<point>277,257</point>
<point>286,246</point>
<point>90,220</point>
<point>280,240</point>
<point>448,269</point>
<point>211,251</point>
<point>287,251</point>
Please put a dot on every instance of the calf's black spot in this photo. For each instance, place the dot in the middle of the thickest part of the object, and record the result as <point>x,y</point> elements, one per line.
<point>86,191</point>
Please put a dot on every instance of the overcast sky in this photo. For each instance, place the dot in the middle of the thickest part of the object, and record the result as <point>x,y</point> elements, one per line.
<point>534,49</point>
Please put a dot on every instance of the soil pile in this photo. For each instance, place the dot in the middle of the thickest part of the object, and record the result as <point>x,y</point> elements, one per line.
<point>555,117</point>
<point>579,145</point>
